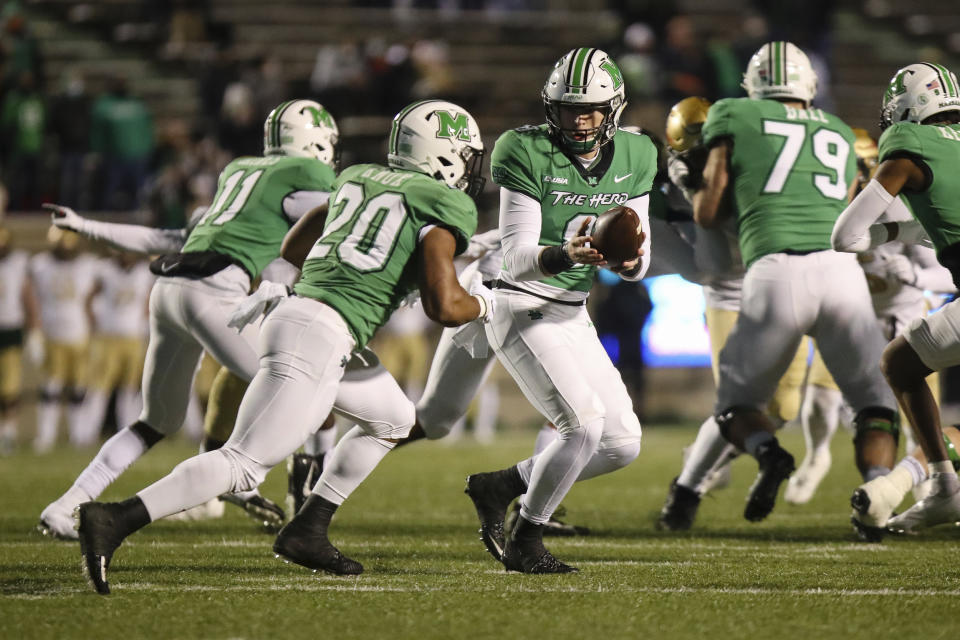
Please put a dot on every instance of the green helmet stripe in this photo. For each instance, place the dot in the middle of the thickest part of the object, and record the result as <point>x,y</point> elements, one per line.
<point>778,63</point>
<point>950,80</point>
<point>579,68</point>
<point>395,129</point>
<point>275,124</point>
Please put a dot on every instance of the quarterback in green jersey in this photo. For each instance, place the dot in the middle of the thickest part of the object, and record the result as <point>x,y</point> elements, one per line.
<point>554,179</point>
<point>207,271</point>
<point>387,231</point>
<point>919,154</point>
<point>788,169</point>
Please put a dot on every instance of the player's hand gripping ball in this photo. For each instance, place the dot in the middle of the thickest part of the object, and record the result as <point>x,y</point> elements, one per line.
<point>617,235</point>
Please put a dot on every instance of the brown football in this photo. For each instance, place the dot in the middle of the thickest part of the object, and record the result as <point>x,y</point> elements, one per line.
<point>616,234</point>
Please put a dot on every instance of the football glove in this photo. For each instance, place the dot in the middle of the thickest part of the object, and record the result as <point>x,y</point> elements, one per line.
<point>484,296</point>
<point>481,244</point>
<point>681,175</point>
<point>261,302</point>
<point>64,217</point>
<point>901,269</point>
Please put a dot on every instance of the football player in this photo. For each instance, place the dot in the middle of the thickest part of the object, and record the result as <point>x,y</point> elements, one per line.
<point>63,279</point>
<point>19,313</point>
<point>554,179</point>
<point>207,273</point>
<point>789,168</point>
<point>390,230</point>
<point>920,116</point>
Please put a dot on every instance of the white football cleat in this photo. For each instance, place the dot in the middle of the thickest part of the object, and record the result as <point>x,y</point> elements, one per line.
<point>804,482</point>
<point>56,521</point>
<point>209,510</point>
<point>922,490</point>
<point>937,508</point>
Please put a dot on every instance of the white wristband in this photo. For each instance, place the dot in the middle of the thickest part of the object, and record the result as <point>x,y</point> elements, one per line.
<point>483,306</point>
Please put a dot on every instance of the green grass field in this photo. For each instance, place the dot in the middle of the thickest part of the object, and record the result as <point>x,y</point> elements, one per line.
<point>799,574</point>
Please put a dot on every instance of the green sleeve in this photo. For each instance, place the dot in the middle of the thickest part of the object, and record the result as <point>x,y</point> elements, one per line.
<point>316,176</point>
<point>454,211</point>
<point>718,124</point>
<point>510,166</point>
<point>900,139</point>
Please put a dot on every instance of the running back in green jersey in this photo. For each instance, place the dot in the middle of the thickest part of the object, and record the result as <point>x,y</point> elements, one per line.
<point>790,170</point>
<point>363,265</point>
<point>527,160</point>
<point>246,220</point>
<point>937,150</point>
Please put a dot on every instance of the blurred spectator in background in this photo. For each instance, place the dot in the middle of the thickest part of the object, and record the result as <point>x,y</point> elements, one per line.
<point>338,78</point>
<point>404,349</point>
<point>21,50</point>
<point>240,130</point>
<point>655,13</point>
<point>431,60</point>
<point>687,69</point>
<point>269,89</point>
<point>70,123</point>
<point>638,62</point>
<point>390,75</point>
<point>121,131</point>
<point>187,26</point>
<point>23,124</point>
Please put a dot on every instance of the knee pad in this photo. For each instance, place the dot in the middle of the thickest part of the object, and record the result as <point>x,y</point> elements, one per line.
<point>621,455</point>
<point>877,419</point>
<point>246,473</point>
<point>395,427</point>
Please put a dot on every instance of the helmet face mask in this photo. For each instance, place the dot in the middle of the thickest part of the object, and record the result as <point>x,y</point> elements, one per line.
<point>917,92</point>
<point>440,139</point>
<point>303,129</point>
<point>585,80</point>
<point>780,70</point>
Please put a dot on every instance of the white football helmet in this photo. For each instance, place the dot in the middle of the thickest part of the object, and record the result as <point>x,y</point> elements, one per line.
<point>917,92</point>
<point>304,129</point>
<point>440,139</point>
<point>780,70</point>
<point>585,77</point>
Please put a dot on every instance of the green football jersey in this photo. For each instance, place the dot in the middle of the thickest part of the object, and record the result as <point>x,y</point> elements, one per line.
<point>526,160</point>
<point>363,265</point>
<point>937,149</point>
<point>790,170</point>
<point>246,220</point>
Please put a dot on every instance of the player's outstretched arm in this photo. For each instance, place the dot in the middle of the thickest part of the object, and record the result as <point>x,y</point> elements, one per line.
<point>128,237</point>
<point>855,229</point>
<point>303,235</point>
<point>443,299</point>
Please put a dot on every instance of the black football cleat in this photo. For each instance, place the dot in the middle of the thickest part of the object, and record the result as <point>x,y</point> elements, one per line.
<point>776,465</point>
<point>539,561</point>
<point>491,494</point>
<point>268,513</point>
<point>679,509</point>
<point>312,549</point>
<point>99,538</point>
<point>303,470</point>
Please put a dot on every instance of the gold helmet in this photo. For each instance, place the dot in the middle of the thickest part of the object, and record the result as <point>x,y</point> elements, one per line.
<point>867,154</point>
<point>685,122</point>
<point>63,240</point>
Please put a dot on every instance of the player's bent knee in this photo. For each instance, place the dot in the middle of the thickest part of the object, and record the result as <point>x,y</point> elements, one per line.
<point>245,472</point>
<point>396,428</point>
<point>877,419</point>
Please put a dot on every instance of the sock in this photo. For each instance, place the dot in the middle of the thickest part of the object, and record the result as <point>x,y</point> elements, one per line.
<point>820,417</point>
<point>557,468</point>
<point>705,451</point>
<point>116,454</point>
<point>129,405</point>
<point>95,408</point>
<point>488,405</point>
<point>755,440</point>
<point>48,415</point>
<point>354,458</point>
<point>915,472</point>
<point>545,438</point>
<point>316,513</point>
<point>944,477</point>
<point>192,482</point>
<point>902,479</point>
<point>527,535</point>
<point>875,472</point>
<point>74,496</point>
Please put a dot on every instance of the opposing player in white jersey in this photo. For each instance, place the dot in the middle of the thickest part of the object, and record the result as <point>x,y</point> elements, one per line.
<point>789,169</point>
<point>63,279</point>
<point>554,178</point>
<point>919,151</point>
<point>207,272</point>
<point>19,327</point>
<point>120,297</point>
<point>346,292</point>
